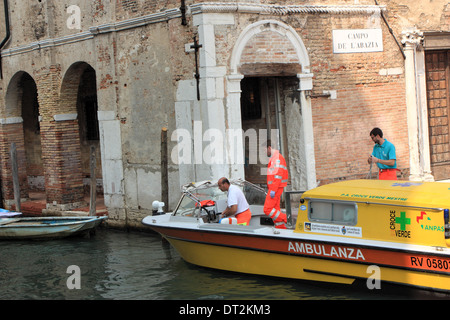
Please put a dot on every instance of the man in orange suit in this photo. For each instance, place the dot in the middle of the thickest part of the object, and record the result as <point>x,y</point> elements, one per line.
<point>277,178</point>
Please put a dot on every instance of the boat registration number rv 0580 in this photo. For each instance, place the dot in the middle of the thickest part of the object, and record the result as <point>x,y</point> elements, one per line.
<point>431,263</point>
<point>380,257</point>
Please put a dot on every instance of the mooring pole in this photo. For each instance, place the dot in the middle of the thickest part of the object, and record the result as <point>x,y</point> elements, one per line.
<point>15,176</point>
<point>93,193</point>
<point>164,169</point>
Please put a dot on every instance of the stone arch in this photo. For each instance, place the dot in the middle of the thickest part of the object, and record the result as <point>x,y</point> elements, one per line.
<point>20,124</point>
<point>14,94</point>
<point>69,87</point>
<point>78,99</point>
<point>284,32</point>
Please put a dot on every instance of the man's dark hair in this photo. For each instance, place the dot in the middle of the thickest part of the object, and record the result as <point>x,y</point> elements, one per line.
<point>376,132</point>
<point>225,180</point>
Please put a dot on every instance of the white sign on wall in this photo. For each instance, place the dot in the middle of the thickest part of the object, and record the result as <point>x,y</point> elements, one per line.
<point>357,40</point>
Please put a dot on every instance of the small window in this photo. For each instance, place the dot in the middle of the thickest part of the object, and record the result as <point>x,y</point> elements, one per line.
<point>250,100</point>
<point>333,212</point>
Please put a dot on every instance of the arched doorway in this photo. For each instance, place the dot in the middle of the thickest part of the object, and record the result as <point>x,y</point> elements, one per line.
<point>79,98</point>
<point>270,59</point>
<point>21,126</point>
<point>87,108</point>
<point>32,134</point>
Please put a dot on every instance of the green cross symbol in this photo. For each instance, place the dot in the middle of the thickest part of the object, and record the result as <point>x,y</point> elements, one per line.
<point>403,221</point>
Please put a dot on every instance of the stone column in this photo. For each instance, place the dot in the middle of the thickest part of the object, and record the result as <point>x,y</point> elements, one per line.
<point>112,166</point>
<point>212,109</point>
<point>416,107</point>
<point>305,84</point>
<point>235,154</point>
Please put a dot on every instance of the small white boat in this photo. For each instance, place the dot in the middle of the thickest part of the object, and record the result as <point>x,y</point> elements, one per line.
<point>47,227</point>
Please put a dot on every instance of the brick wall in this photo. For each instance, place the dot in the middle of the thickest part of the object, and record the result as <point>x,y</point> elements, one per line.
<point>269,47</point>
<point>126,9</point>
<point>367,95</point>
<point>342,127</point>
<point>61,155</point>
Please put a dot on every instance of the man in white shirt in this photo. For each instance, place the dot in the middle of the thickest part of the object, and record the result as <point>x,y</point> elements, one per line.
<point>238,210</point>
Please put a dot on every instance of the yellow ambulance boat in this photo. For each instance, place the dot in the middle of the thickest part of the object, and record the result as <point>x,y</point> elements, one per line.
<point>393,231</point>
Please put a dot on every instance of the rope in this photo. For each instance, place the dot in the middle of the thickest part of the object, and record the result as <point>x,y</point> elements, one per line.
<point>369,175</point>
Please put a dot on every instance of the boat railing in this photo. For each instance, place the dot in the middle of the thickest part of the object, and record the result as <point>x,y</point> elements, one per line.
<point>190,188</point>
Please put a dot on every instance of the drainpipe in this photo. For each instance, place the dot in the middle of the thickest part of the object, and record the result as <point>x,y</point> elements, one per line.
<point>183,13</point>
<point>8,34</point>
<point>391,32</point>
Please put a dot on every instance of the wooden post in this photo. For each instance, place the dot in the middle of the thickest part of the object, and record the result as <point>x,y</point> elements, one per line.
<point>164,170</point>
<point>93,193</point>
<point>15,174</point>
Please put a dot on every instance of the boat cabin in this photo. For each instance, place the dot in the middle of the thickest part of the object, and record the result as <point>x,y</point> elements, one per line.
<point>394,211</point>
<point>391,211</point>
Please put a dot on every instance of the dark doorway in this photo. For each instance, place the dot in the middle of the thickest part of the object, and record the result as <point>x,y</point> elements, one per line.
<point>263,114</point>
<point>32,133</point>
<point>87,109</point>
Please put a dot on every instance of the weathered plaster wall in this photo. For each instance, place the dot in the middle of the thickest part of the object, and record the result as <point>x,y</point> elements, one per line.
<point>145,81</point>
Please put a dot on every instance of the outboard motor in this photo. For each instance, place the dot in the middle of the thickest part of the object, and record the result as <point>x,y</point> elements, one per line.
<point>157,208</point>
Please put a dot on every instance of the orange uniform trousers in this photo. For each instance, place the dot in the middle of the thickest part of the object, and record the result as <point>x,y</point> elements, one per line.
<point>388,174</point>
<point>242,218</point>
<point>272,209</point>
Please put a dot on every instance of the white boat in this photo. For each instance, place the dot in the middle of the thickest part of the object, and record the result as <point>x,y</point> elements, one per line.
<point>47,227</point>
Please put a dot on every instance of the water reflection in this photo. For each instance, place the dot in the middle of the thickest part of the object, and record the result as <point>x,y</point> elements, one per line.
<point>134,266</point>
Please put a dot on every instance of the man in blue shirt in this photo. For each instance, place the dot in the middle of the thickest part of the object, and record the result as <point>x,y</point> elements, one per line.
<point>383,155</point>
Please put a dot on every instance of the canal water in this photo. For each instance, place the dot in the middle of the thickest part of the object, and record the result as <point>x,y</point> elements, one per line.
<point>140,266</point>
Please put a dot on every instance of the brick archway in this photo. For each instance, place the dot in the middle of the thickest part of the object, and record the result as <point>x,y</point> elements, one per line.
<point>61,146</point>
<point>79,96</point>
<point>20,101</point>
<point>269,31</point>
<point>69,87</point>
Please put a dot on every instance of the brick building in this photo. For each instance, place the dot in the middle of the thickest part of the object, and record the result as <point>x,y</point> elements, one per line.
<point>314,76</point>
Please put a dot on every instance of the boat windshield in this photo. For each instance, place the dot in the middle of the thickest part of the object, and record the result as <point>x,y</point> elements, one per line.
<point>190,206</point>
<point>209,195</point>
